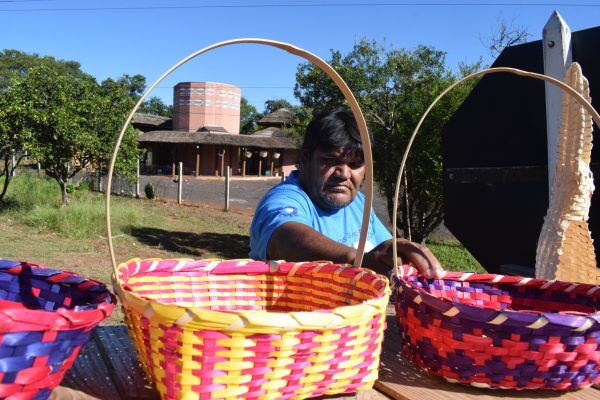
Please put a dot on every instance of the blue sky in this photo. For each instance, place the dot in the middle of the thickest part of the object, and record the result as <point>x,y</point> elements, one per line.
<point>111,38</point>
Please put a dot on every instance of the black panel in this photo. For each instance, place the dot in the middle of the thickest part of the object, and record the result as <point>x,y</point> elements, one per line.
<point>499,132</point>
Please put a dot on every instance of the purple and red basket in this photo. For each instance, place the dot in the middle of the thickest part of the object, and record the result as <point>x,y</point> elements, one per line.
<point>501,331</point>
<point>46,316</point>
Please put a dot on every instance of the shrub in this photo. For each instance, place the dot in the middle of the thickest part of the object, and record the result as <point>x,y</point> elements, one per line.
<point>149,190</point>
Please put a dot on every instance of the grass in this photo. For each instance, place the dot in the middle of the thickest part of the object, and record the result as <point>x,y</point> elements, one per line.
<point>37,230</point>
<point>454,257</point>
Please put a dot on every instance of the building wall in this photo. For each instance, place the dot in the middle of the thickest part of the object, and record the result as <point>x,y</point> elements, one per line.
<point>288,162</point>
<point>196,104</point>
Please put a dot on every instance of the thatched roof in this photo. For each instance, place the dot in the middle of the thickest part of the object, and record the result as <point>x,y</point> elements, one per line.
<point>271,131</point>
<point>213,129</point>
<point>219,139</point>
<point>149,122</point>
<point>277,118</point>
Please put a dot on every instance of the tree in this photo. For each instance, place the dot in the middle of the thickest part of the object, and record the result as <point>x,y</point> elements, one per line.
<point>15,140</point>
<point>14,136</point>
<point>155,106</point>
<point>15,63</point>
<point>394,87</point>
<point>71,120</point>
<point>506,34</point>
<point>248,117</point>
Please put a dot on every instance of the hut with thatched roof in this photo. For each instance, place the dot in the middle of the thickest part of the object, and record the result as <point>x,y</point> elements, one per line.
<point>204,136</point>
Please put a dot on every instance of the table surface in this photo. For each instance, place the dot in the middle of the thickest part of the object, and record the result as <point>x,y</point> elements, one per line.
<point>108,369</point>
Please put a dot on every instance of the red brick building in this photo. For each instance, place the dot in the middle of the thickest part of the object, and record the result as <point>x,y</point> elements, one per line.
<point>204,135</point>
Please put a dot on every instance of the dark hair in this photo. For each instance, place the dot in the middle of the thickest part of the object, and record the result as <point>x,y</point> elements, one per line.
<point>334,130</point>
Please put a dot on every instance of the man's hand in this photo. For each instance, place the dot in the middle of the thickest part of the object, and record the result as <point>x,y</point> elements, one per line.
<point>381,260</point>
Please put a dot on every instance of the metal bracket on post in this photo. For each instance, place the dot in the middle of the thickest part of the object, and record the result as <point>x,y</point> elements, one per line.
<point>556,42</point>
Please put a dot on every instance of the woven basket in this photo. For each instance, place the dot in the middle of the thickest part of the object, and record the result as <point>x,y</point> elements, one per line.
<point>498,331</point>
<point>244,329</point>
<point>502,331</point>
<point>46,316</point>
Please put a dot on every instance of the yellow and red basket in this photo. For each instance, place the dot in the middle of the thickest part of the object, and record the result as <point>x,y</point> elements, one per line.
<point>249,329</point>
<point>244,329</point>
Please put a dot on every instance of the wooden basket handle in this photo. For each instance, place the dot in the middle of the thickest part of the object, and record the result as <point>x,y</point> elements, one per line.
<point>326,68</point>
<point>582,101</point>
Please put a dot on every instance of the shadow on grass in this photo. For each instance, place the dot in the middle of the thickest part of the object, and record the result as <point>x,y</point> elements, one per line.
<point>207,244</point>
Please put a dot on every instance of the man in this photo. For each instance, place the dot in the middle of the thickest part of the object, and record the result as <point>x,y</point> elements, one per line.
<point>316,214</point>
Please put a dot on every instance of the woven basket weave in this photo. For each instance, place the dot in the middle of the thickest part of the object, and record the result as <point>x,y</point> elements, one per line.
<point>502,331</point>
<point>249,329</point>
<point>46,316</point>
<point>498,331</point>
<point>244,329</point>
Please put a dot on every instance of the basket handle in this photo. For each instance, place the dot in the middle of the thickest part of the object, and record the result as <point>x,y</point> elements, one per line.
<point>326,68</point>
<point>569,90</point>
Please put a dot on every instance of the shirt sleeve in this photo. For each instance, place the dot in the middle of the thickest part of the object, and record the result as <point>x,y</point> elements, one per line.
<point>380,232</point>
<point>274,210</point>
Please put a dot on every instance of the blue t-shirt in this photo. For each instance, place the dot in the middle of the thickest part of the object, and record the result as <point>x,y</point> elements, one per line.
<point>287,202</point>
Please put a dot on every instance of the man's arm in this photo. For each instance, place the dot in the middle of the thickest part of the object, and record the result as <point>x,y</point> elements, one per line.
<point>294,241</point>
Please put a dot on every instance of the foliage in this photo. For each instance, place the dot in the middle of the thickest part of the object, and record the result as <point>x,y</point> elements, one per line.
<point>248,117</point>
<point>15,63</point>
<point>15,137</point>
<point>155,106</point>
<point>150,192</point>
<point>394,87</point>
<point>71,121</point>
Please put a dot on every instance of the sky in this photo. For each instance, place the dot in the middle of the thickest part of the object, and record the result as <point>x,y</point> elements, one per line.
<point>115,37</point>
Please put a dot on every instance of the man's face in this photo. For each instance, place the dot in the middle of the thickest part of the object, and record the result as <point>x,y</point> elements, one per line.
<point>331,178</point>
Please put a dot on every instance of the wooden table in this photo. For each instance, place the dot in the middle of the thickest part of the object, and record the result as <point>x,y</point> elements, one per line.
<point>108,369</point>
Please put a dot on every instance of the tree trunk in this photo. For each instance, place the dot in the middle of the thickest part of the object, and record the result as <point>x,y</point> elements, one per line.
<point>7,176</point>
<point>65,195</point>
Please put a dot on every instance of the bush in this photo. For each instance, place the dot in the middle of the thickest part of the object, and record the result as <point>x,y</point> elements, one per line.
<point>149,190</point>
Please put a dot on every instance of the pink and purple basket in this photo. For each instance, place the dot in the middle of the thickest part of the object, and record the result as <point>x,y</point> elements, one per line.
<point>501,331</point>
<point>46,316</point>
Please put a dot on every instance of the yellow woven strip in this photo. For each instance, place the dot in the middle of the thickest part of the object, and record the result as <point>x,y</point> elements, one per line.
<point>155,334</point>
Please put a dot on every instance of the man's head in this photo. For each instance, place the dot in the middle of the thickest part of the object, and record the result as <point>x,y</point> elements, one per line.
<point>332,165</point>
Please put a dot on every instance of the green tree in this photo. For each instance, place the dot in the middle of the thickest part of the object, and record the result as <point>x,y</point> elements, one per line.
<point>15,63</point>
<point>248,117</point>
<point>394,87</point>
<point>71,120</point>
<point>14,136</point>
<point>155,106</point>
<point>15,140</point>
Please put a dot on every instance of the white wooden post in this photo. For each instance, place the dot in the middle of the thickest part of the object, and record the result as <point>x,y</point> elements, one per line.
<point>39,168</point>
<point>12,165</point>
<point>556,42</point>
<point>180,184</point>
<point>227,173</point>
<point>137,180</point>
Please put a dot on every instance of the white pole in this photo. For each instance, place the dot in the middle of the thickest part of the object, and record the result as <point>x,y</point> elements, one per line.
<point>39,168</point>
<point>13,171</point>
<point>100,177</point>
<point>180,184</point>
<point>556,43</point>
<point>227,172</point>
<point>137,180</point>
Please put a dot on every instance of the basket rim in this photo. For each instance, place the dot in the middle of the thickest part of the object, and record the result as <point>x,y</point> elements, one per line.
<point>16,317</point>
<point>579,322</point>
<point>254,321</point>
